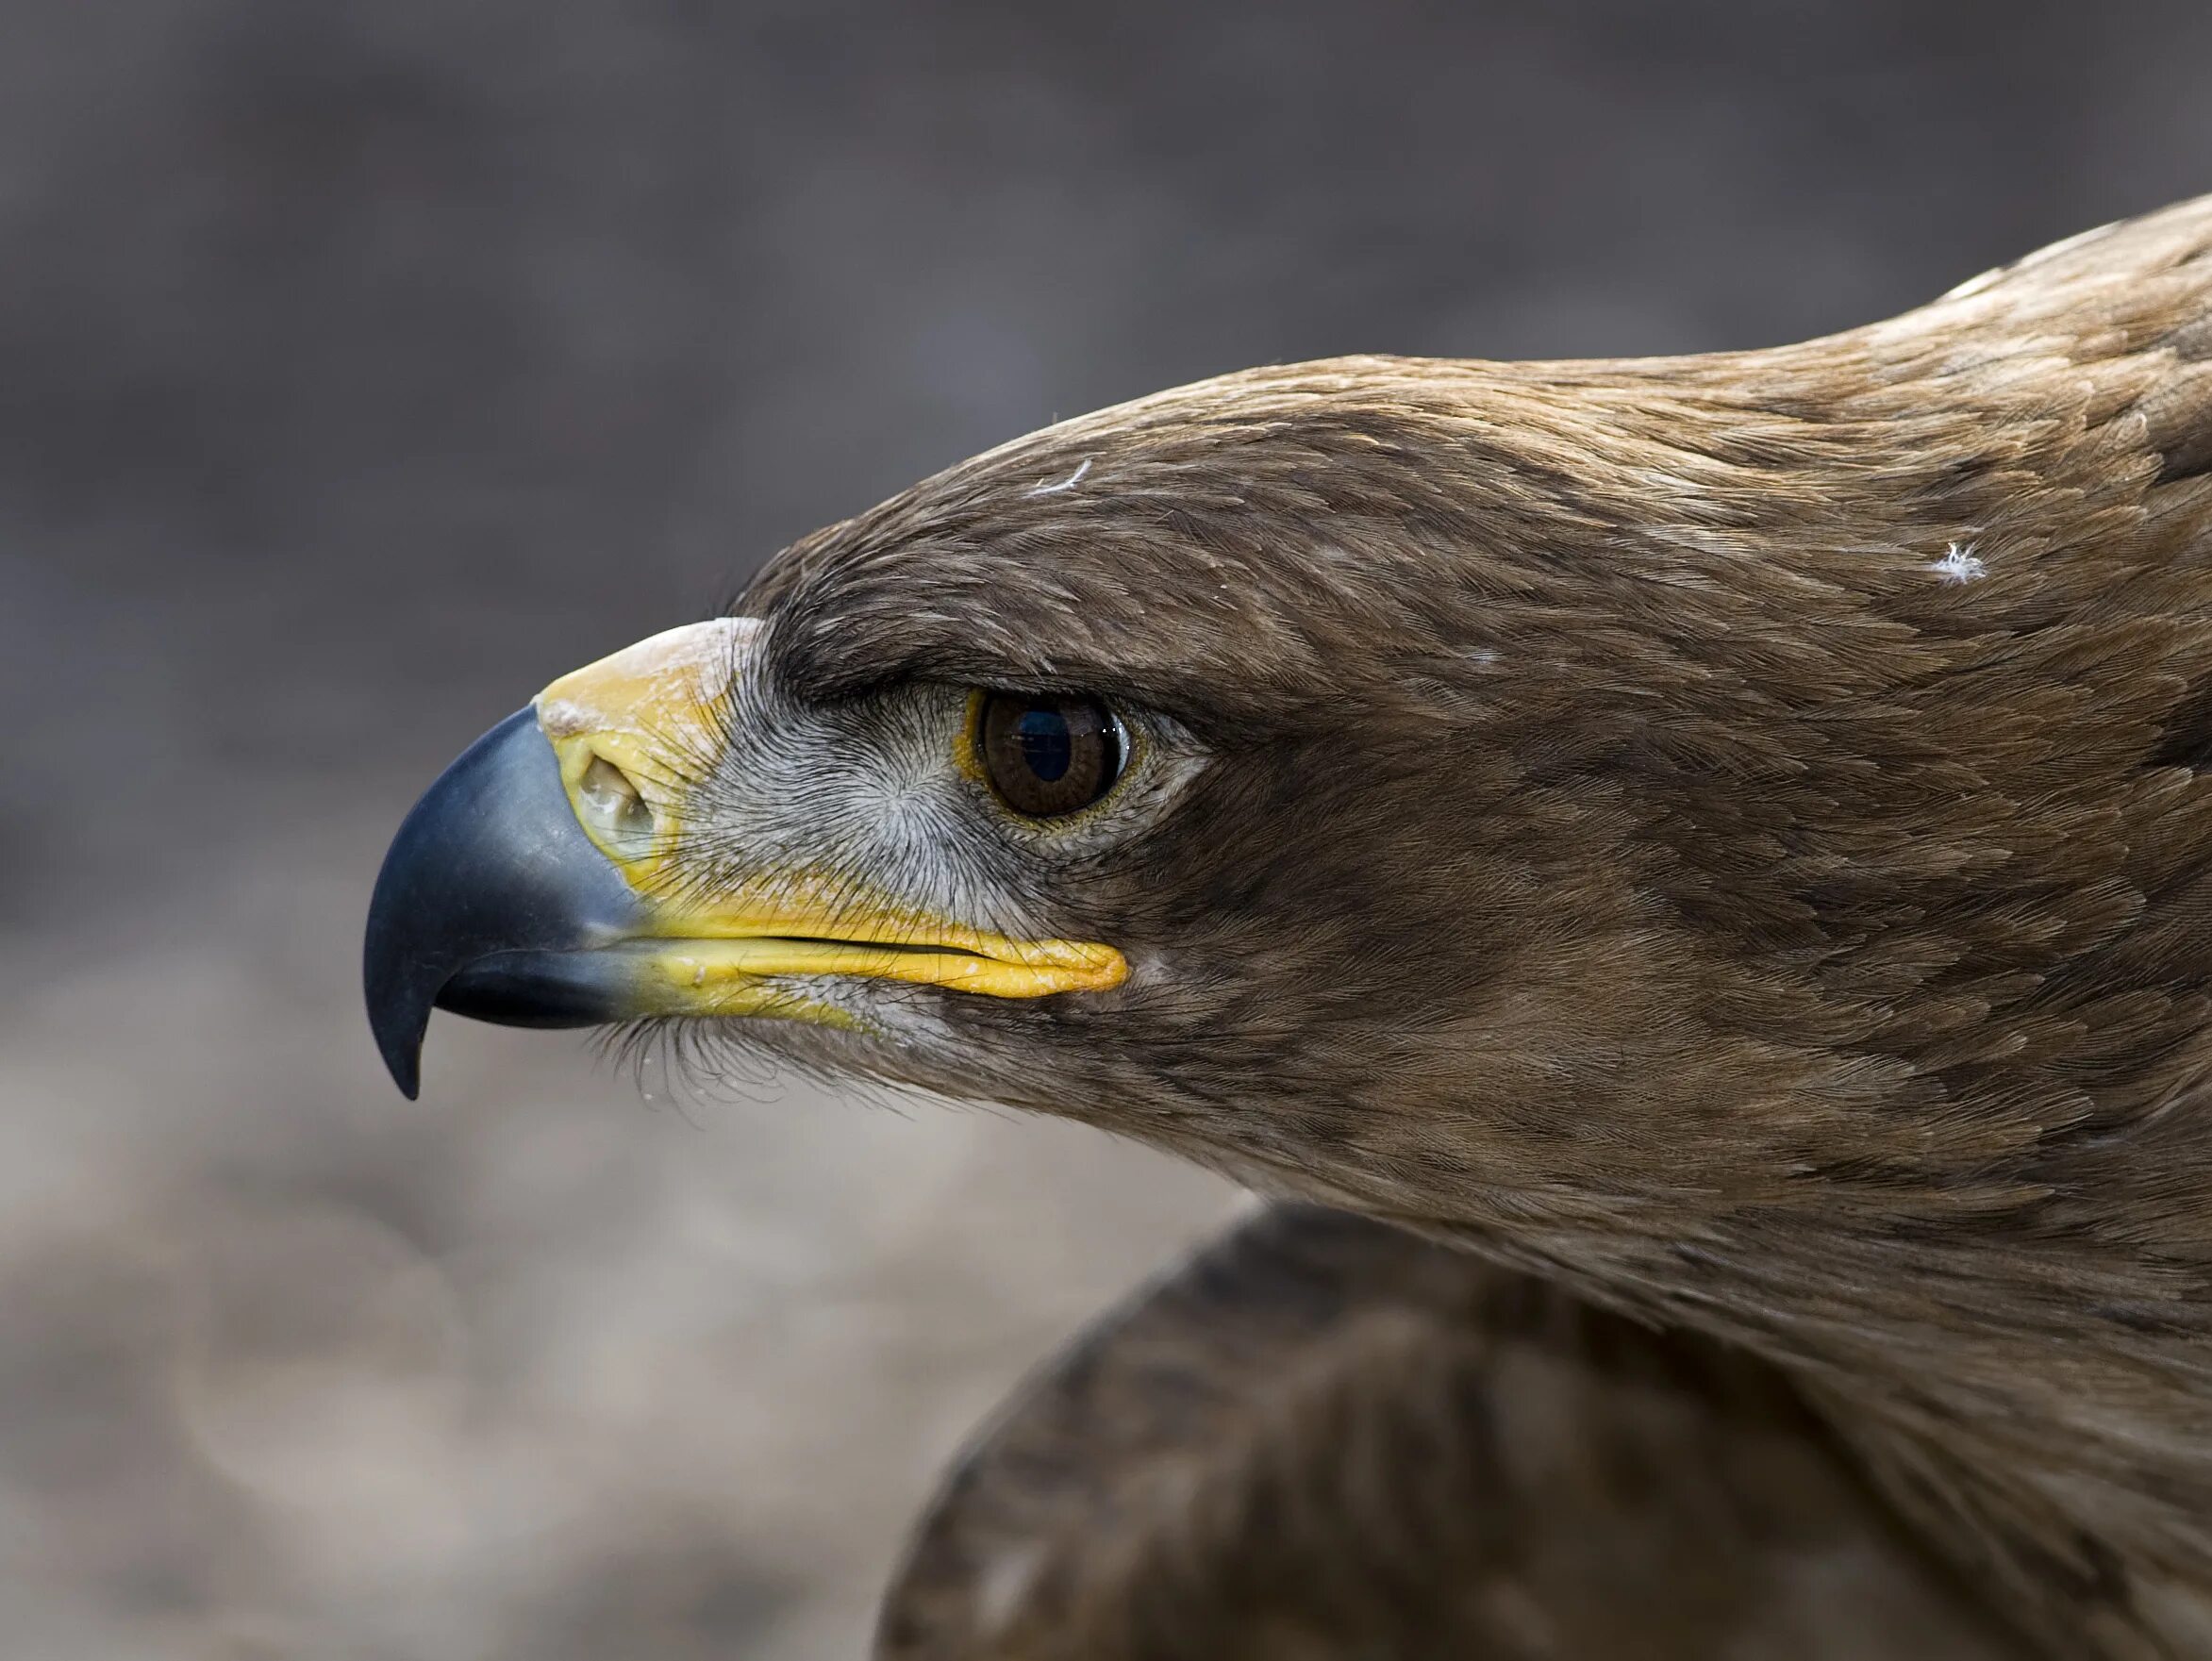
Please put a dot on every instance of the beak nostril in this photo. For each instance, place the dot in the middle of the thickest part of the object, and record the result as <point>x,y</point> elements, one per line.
<point>616,808</point>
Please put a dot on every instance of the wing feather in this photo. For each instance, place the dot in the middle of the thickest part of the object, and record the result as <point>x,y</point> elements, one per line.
<point>1323,1437</point>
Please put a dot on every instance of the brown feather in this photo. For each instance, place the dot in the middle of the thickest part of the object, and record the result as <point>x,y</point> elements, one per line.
<point>1325,1438</point>
<point>1730,834</point>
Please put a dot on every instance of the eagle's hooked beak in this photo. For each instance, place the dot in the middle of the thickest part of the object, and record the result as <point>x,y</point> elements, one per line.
<point>534,884</point>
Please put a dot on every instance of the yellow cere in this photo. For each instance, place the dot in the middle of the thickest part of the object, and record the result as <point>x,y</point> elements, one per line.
<point>619,728</point>
<point>622,726</point>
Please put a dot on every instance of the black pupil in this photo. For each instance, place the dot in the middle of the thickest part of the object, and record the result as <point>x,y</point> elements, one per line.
<point>1047,745</point>
<point>1045,757</point>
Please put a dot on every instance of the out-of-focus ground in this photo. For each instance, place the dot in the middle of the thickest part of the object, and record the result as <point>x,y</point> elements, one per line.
<point>362,367</point>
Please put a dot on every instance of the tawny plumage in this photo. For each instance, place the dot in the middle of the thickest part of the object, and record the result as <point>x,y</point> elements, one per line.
<point>1716,853</point>
<point>1324,1437</point>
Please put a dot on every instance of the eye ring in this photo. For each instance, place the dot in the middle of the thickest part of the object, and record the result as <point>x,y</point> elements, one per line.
<point>1047,755</point>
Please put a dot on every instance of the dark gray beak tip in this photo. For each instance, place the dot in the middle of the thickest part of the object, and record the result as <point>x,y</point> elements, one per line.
<point>405,1063</point>
<point>399,1012</point>
<point>408,950</point>
<point>490,864</point>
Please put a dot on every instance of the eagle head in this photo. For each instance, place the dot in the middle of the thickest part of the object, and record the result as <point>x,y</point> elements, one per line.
<point>1218,769</point>
<point>1589,796</point>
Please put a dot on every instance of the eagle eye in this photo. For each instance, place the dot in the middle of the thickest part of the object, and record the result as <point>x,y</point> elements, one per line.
<point>1046,756</point>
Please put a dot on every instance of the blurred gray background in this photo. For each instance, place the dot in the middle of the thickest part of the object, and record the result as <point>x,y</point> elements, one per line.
<point>362,367</point>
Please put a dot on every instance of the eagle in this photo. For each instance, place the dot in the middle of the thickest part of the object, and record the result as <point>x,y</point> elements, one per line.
<point>1686,884</point>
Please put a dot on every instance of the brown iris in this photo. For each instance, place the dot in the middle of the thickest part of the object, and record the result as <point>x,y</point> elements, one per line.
<point>1047,755</point>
